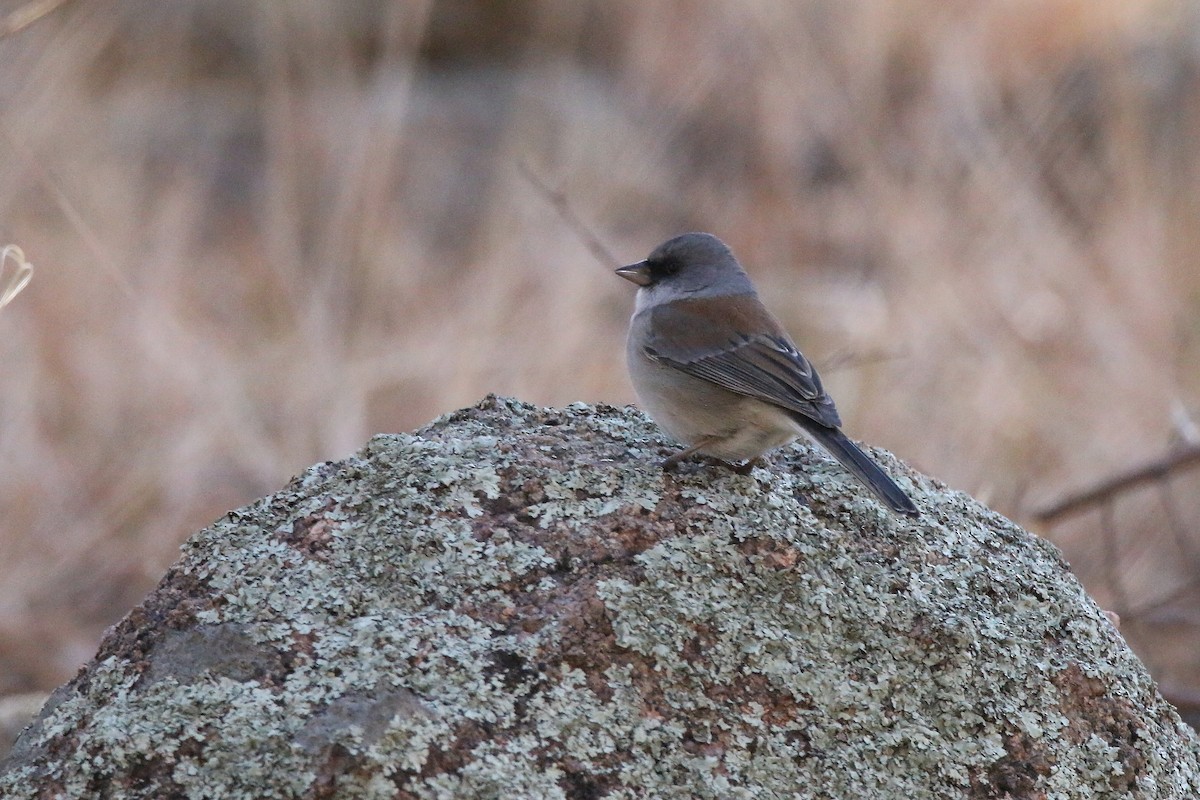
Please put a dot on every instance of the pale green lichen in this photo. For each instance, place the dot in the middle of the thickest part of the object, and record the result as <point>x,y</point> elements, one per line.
<point>418,616</point>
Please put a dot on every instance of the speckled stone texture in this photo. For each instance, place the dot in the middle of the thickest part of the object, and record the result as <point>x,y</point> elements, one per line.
<point>517,602</point>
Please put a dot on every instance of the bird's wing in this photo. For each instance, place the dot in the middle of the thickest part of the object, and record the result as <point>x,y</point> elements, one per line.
<point>694,337</point>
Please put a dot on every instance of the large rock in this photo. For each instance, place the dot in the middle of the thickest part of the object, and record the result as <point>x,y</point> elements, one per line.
<point>517,603</point>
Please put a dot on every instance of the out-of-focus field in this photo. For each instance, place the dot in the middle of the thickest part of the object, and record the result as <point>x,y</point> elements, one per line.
<point>265,231</point>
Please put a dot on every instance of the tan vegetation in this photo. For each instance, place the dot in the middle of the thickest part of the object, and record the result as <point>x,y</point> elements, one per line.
<point>265,231</point>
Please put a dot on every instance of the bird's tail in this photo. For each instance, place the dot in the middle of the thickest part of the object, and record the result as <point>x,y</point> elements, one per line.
<point>863,468</point>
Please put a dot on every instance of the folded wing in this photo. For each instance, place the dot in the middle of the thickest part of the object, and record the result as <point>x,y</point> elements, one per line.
<point>716,347</point>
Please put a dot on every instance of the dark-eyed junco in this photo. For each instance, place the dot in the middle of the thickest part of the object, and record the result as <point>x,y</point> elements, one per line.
<point>718,372</point>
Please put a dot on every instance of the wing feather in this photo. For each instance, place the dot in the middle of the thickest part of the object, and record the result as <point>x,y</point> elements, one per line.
<point>762,365</point>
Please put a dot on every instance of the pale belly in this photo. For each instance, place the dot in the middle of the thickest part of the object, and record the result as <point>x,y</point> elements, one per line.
<point>692,409</point>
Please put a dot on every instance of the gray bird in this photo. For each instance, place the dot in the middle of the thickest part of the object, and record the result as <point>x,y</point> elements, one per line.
<point>719,373</point>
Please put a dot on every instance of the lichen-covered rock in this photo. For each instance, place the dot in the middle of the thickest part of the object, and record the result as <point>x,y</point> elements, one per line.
<point>518,603</point>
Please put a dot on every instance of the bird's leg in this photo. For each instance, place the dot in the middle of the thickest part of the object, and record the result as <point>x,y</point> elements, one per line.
<point>671,462</point>
<point>748,467</point>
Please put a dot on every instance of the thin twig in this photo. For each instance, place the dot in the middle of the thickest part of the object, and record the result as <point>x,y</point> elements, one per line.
<point>559,202</point>
<point>1181,532</point>
<point>91,239</point>
<point>847,359</point>
<point>1169,606</point>
<point>26,15</point>
<point>1123,482</point>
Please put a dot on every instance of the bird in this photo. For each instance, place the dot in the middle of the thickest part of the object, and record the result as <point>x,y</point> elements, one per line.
<point>719,373</point>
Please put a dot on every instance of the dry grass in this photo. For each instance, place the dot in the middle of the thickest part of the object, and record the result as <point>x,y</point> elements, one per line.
<point>267,231</point>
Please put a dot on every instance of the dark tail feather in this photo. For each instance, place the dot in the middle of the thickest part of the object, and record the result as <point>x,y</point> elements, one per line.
<point>863,468</point>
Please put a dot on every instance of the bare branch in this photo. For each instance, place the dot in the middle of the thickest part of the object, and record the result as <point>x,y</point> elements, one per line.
<point>559,202</point>
<point>1107,489</point>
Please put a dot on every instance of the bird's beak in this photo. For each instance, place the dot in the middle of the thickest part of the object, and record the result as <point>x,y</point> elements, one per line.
<point>638,273</point>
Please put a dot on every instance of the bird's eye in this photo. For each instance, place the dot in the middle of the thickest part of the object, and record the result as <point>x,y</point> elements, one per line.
<point>665,268</point>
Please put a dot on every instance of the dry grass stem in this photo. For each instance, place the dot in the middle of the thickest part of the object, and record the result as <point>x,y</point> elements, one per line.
<point>266,231</point>
<point>15,273</point>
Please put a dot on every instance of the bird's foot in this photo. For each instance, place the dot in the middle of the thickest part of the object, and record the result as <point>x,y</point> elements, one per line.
<point>746,467</point>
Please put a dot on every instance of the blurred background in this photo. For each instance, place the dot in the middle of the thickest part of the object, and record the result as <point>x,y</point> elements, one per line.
<point>265,231</point>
